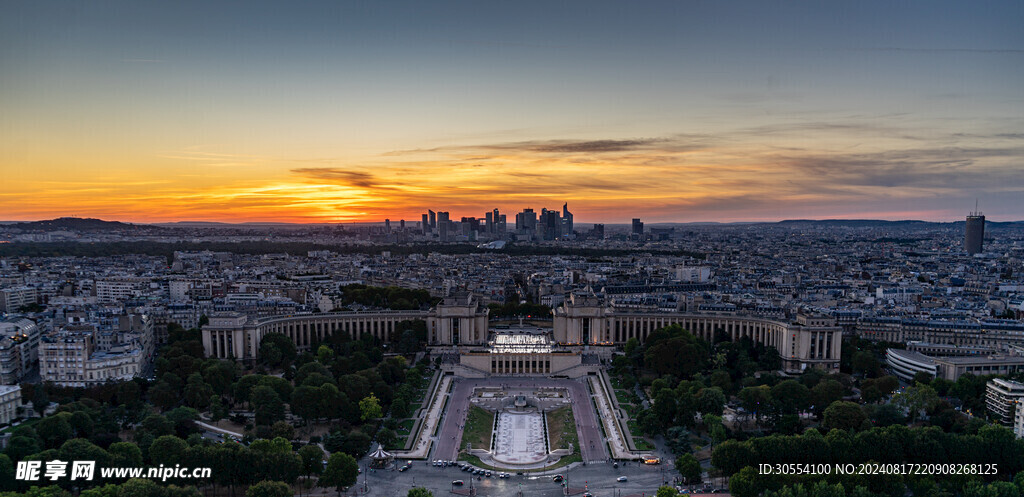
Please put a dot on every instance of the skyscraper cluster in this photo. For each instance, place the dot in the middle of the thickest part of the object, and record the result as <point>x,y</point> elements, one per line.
<point>551,224</point>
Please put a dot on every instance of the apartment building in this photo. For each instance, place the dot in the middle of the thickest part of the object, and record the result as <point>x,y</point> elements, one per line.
<point>1002,398</point>
<point>10,401</point>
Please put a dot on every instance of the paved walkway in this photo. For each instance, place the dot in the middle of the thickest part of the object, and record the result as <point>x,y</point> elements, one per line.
<point>213,428</point>
<point>592,446</point>
<point>616,440</point>
<point>422,447</point>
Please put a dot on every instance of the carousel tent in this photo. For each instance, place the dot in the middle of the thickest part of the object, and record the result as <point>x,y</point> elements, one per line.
<point>380,458</point>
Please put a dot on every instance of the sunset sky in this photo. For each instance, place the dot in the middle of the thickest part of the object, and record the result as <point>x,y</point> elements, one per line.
<point>347,111</point>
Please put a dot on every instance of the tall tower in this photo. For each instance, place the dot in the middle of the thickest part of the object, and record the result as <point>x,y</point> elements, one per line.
<point>974,231</point>
<point>567,226</point>
<point>443,226</point>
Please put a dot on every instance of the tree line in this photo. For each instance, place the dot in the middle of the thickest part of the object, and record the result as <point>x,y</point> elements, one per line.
<point>896,444</point>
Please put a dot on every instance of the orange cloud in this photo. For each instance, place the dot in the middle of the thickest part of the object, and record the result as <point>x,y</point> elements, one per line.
<point>761,173</point>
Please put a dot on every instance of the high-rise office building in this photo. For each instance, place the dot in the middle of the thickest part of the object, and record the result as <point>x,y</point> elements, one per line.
<point>495,215</point>
<point>638,227</point>
<point>598,231</point>
<point>425,224</point>
<point>549,226</point>
<point>432,218</point>
<point>526,220</point>
<point>443,225</point>
<point>472,223</point>
<point>974,233</point>
<point>566,220</point>
<point>387,226</point>
<point>489,222</point>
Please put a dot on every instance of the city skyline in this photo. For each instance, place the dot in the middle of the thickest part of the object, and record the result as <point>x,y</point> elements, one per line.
<point>670,112</point>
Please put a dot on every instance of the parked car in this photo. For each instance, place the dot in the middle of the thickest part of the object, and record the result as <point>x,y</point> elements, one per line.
<point>621,479</point>
<point>458,482</point>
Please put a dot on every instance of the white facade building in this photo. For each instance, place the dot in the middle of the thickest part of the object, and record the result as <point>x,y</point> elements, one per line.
<point>11,299</point>
<point>10,400</point>
<point>1002,398</point>
<point>19,349</point>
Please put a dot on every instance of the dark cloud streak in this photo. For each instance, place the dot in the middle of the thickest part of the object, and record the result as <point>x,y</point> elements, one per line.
<point>340,176</point>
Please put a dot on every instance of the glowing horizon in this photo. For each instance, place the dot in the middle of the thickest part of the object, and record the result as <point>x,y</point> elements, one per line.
<point>331,112</point>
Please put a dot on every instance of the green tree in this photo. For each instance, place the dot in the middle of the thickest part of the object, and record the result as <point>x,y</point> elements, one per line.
<point>825,393</point>
<point>308,369</point>
<point>915,399</point>
<point>324,355</point>
<point>864,362</point>
<point>369,408</point>
<point>197,392</point>
<point>666,491</point>
<point>164,395</point>
<point>356,443</point>
<point>137,486</point>
<point>689,468</point>
<point>844,416</point>
<point>82,424</point>
<point>218,410</point>
<point>80,449</point>
<point>167,450</point>
<point>312,459</point>
<point>54,430</point>
<point>40,401</point>
<point>183,419</point>
<point>791,396</point>
<point>275,446</point>
<point>341,472</point>
<point>711,401</point>
<point>23,444</point>
<point>157,425</point>
<point>664,347</point>
<point>6,473</point>
<point>125,454</point>
<point>664,408</point>
<point>388,439</point>
<point>282,429</point>
<point>715,428</point>
<point>306,403</point>
<point>419,492</point>
<point>756,400</point>
<point>731,456</point>
<point>745,483</point>
<point>267,488</point>
<point>267,405</point>
<point>276,350</point>
<point>219,375</point>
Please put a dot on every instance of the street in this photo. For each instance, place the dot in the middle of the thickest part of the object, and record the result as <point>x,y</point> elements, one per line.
<point>598,478</point>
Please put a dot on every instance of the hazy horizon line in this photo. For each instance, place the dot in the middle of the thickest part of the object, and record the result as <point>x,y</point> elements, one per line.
<point>576,222</point>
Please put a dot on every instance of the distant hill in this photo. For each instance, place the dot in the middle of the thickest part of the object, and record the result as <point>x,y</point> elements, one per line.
<point>880,223</point>
<point>857,223</point>
<point>77,224</point>
<point>217,224</point>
